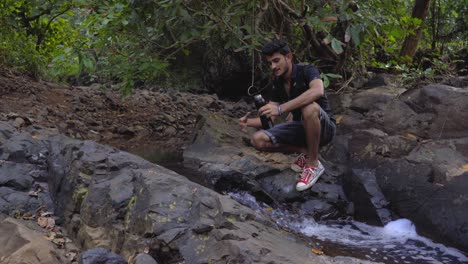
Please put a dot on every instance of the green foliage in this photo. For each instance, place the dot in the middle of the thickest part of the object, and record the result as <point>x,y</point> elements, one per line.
<point>326,77</point>
<point>136,42</point>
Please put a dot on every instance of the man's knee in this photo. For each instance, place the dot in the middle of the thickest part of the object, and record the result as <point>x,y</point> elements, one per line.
<point>259,140</point>
<point>311,111</point>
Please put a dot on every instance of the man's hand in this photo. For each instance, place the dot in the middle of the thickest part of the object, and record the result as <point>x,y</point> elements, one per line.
<point>243,122</point>
<point>270,110</point>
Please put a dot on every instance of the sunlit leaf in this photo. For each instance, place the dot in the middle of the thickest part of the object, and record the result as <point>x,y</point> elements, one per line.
<point>336,46</point>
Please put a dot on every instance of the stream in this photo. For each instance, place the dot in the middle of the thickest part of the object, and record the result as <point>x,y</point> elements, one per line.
<point>396,242</point>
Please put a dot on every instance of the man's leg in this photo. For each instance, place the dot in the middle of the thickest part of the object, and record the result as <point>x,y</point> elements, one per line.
<point>262,141</point>
<point>311,121</point>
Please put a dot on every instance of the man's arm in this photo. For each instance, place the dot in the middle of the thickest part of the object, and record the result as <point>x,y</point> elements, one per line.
<point>255,122</point>
<point>245,122</point>
<point>314,92</point>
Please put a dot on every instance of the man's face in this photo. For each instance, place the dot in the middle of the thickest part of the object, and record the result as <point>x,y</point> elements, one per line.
<point>279,63</point>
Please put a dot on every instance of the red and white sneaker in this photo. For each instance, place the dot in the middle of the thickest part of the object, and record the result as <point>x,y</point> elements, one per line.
<point>299,164</point>
<point>309,177</point>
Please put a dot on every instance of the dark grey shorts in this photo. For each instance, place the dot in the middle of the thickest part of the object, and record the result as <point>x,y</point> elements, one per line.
<point>293,133</point>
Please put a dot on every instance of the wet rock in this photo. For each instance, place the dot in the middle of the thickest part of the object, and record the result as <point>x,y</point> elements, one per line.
<point>440,208</point>
<point>318,209</point>
<point>144,259</point>
<point>365,191</point>
<point>100,256</point>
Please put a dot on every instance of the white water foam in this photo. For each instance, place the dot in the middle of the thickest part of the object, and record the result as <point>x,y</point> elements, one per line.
<point>397,241</point>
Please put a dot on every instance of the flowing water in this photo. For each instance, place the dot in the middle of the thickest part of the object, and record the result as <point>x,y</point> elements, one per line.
<point>396,242</point>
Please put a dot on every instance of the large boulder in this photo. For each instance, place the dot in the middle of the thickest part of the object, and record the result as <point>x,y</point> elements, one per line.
<point>413,145</point>
<point>446,108</point>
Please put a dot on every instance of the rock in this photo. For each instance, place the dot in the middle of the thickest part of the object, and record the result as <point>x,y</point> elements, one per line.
<point>381,79</point>
<point>16,175</point>
<point>220,152</point>
<point>100,256</point>
<point>437,209</point>
<point>170,131</point>
<point>143,258</point>
<point>21,244</point>
<point>6,131</point>
<point>443,156</point>
<point>12,201</point>
<point>125,131</point>
<point>19,122</point>
<point>364,190</point>
<point>374,99</point>
<point>447,106</point>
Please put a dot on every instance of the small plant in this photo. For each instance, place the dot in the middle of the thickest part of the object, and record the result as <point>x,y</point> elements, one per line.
<point>326,77</point>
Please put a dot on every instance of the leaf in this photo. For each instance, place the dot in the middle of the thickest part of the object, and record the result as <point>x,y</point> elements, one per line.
<point>336,46</point>
<point>326,81</point>
<point>42,221</point>
<point>317,251</point>
<point>334,76</point>
<point>46,222</point>
<point>347,36</point>
<point>355,31</point>
<point>411,136</point>
<point>327,40</point>
<point>339,119</point>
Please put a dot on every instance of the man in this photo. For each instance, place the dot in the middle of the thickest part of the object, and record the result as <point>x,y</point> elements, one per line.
<point>297,89</point>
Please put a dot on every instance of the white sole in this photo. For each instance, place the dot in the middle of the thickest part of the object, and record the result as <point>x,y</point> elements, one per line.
<point>307,186</point>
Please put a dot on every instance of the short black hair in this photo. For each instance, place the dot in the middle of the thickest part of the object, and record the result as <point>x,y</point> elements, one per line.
<point>276,46</point>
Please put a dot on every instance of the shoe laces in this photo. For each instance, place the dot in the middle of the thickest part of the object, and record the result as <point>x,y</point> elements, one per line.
<point>301,160</point>
<point>307,172</point>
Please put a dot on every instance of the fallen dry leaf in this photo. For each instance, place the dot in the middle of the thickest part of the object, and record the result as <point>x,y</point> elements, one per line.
<point>33,193</point>
<point>338,119</point>
<point>71,256</point>
<point>45,214</point>
<point>46,222</point>
<point>411,136</point>
<point>42,221</point>
<point>317,251</point>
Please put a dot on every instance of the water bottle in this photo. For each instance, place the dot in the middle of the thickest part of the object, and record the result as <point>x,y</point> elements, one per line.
<point>267,123</point>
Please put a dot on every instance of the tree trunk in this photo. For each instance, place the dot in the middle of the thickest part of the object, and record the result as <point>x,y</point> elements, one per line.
<point>410,45</point>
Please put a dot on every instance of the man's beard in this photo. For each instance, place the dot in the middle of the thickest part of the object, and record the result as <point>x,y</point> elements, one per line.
<point>286,69</point>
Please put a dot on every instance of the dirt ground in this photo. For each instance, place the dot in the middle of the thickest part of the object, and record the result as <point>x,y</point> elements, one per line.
<point>145,122</point>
